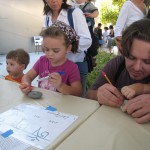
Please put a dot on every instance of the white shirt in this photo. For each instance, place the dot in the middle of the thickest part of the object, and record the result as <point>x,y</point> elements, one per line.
<point>129,13</point>
<point>105,36</point>
<point>81,29</point>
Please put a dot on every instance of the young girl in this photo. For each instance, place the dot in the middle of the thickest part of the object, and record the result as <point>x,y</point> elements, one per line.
<point>61,74</point>
<point>16,60</point>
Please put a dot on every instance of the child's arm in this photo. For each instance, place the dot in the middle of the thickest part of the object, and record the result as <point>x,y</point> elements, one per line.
<point>26,81</point>
<point>135,89</point>
<point>146,89</point>
<point>74,89</point>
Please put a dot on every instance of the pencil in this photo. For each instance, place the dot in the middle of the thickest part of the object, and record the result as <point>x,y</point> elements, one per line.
<point>104,74</point>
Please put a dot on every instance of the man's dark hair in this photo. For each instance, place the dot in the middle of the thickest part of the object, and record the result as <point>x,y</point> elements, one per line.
<point>99,24</point>
<point>111,27</point>
<point>106,28</point>
<point>47,9</point>
<point>138,30</point>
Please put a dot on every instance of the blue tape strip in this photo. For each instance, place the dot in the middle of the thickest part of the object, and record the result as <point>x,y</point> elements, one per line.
<point>7,133</point>
<point>51,108</point>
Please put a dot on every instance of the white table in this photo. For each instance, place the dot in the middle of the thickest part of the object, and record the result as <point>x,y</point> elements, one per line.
<point>109,129</point>
<point>10,95</point>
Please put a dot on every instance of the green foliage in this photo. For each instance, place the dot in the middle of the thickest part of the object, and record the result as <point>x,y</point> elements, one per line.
<point>119,3</point>
<point>110,10</point>
<point>108,15</point>
<point>101,59</point>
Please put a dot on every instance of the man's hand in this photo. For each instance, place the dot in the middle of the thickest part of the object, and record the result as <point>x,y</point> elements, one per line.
<point>139,108</point>
<point>109,95</point>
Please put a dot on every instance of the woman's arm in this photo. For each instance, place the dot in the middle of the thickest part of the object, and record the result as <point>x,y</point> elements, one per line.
<point>82,30</point>
<point>123,16</point>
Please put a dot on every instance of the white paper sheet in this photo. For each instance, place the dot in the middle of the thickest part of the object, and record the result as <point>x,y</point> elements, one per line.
<point>34,124</point>
<point>11,143</point>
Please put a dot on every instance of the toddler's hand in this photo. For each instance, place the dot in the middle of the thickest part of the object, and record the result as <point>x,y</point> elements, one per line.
<point>88,15</point>
<point>128,92</point>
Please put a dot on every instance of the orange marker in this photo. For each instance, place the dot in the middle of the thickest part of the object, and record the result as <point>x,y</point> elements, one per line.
<point>104,74</point>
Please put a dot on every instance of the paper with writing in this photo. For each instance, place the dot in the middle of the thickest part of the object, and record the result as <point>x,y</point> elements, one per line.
<point>11,143</point>
<point>34,124</point>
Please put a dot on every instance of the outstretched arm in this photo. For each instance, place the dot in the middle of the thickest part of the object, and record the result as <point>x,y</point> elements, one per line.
<point>135,89</point>
<point>146,89</point>
<point>26,80</point>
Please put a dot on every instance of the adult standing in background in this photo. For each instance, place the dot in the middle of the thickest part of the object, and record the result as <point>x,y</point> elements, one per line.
<point>130,12</point>
<point>90,12</point>
<point>57,10</point>
<point>98,33</point>
<point>110,38</point>
<point>105,37</point>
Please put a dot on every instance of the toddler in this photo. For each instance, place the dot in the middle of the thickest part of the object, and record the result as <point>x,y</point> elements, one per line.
<point>16,61</point>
